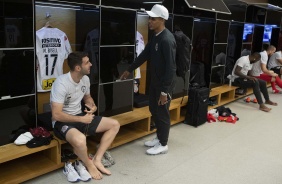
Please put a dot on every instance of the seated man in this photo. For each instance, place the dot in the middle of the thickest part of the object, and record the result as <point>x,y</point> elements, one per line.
<point>241,78</point>
<point>275,62</point>
<point>70,123</point>
<point>259,70</point>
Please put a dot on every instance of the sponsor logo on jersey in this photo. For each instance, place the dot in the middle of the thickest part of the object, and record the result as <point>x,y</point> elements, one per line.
<point>51,42</point>
<point>47,83</point>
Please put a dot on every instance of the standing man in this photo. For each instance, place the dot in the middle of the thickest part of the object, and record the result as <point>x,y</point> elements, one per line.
<point>71,124</point>
<point>275,62</point>
<point>160,52</point>
<point>241,77</point>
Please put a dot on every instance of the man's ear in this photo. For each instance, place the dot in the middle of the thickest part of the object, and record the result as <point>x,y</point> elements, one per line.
<point>77,68</point>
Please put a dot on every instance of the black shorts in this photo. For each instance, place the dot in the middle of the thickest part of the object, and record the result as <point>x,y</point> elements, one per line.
<point>276,69</point>
<point>61,128</point>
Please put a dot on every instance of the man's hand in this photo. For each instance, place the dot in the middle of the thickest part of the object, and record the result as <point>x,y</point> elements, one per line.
<point>162,100</point>
<point>252,78</point>
<point>124,75</point>
<point>87,118</point>
<point>273,74</point>
<point>90,109</point>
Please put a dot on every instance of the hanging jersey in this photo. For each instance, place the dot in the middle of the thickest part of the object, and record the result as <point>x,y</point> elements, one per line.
<point>231,45</point>
<point>92,48</point>
<point>12,33</point>
<point>52,48</point>
<point>139,48</point>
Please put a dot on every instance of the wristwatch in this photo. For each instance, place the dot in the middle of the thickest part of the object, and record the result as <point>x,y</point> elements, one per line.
<point>163,93</point>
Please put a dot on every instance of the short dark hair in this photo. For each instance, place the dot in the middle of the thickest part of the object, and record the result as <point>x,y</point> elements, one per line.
<point>256,55</point>
<point>75,58</point>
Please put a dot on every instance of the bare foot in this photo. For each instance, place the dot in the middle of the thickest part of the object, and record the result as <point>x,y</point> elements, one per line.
<point>269,102</point>
<point>93,171</point>
<point>264,108</point>
<point>100,167</point>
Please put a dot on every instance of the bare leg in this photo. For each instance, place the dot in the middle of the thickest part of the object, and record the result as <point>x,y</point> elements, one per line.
<point>110,127</point>
<point>78,142</point>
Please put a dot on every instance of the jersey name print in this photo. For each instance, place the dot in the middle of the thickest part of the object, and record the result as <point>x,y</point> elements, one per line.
<point>52,48</point>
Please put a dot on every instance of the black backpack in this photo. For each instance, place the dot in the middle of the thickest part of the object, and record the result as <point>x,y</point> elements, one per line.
<point>183,51</point>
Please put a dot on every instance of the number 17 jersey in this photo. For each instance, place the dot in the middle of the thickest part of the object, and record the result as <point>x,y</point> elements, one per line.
<point>52,48</point>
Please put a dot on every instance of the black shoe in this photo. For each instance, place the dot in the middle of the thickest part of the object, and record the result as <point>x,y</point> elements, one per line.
<point>69,154</point>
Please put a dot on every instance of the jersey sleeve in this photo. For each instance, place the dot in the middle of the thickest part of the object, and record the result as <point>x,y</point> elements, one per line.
<point>58,92</point>
<point>67,47</point>
<point>241,63</point>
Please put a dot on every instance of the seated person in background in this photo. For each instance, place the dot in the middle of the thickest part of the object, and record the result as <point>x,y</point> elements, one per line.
<point>275,62</point>
<point>70,123</point>
<point>240,77</point>
<point>260,71</point>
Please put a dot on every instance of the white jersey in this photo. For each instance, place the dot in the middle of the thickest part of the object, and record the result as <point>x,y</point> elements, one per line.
<point>273,60</point>
<point>52,48</point>
<point>256,70</point>
<point>92,47</point>
<point>69,93</point>
<point>139,48</point>
<point>246,65</point>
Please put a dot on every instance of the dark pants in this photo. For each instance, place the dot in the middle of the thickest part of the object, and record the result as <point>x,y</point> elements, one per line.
<point>257,85</point>
<point>160,114</point>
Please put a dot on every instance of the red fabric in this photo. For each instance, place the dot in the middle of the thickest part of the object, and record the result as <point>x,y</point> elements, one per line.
<point>210,118</point>
<point>228,119</point>
<point>267,78</point>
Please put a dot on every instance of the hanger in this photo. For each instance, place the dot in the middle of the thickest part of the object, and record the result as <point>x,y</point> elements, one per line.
<point>48,25</point>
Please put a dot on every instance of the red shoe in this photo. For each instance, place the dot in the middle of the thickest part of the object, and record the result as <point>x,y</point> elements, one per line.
<point>248,99</point>
<point>255,100</point>
<point>276,91</point>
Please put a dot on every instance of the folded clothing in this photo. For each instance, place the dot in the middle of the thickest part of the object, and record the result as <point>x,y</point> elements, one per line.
<point>39,141</point>
<point>23,138</point>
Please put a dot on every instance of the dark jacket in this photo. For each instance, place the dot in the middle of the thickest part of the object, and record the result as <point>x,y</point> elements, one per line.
<point>160,51</point>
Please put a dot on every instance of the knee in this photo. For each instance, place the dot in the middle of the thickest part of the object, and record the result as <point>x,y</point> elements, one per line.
<point>79,141</point>
<point>257,83</point>
<point>115,125</point>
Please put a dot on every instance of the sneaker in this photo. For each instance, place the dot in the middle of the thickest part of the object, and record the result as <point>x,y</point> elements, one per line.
<point>109,157</point>
<point>157,149</point>
<point>152,143</point>
<point>81,170</point>
<point>70,173</point>
<point>248,99</point>
<point>104,161</point>
<point>276,92</point>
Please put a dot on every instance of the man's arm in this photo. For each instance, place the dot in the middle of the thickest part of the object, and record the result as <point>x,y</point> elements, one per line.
<point>59,115</point>
<point>90,104</point>
<point>144,56</point>
<point>240,74</point>
<point>266,71</point>
<point>279,60</point>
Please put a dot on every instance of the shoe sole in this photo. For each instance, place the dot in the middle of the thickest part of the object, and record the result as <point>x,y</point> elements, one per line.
<point>163,152</point>
<point>150,146</point>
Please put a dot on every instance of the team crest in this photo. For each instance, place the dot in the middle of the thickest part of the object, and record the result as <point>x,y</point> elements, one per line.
<point>156,46</point>
<point>83,89</point>
<point>64,128</point>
